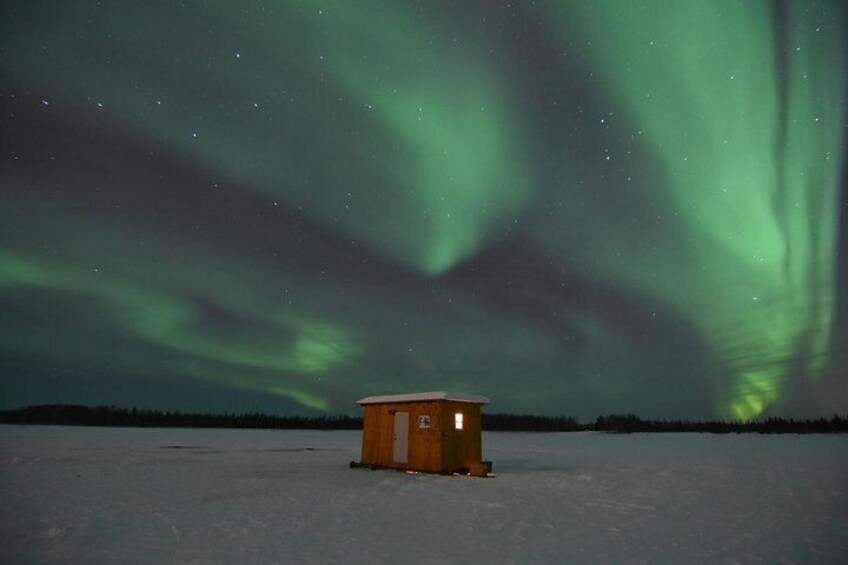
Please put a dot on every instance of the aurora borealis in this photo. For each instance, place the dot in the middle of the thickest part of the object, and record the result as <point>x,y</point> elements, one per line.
<point>570,207</point>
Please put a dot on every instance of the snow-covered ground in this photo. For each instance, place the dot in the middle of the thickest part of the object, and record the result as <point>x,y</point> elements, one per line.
<point>101,495</point>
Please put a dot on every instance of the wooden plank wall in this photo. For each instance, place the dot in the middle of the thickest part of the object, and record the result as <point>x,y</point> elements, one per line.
<point>438,449</point>
<point>463,448</point>
<point>372,436</point>
<point>425,449</point>
<point>425,444</point>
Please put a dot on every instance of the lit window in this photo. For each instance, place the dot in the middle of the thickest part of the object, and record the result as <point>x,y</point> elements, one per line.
<point>458,420</point>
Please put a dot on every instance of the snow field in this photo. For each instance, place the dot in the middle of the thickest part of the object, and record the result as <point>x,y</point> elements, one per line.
<point>122,495</point>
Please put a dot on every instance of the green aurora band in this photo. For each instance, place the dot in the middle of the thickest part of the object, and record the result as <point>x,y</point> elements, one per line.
<point>750,180</point>
<point>682,156</point>
<point>425,126</point>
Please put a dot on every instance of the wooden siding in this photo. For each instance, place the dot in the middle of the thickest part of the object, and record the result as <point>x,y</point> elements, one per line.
<point>462,448</point>
<point>438,449</point>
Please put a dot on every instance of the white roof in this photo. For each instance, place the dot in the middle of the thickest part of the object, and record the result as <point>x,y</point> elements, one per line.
<point>424,396</point>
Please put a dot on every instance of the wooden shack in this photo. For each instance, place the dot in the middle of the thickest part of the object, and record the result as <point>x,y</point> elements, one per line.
<point>433,432</point>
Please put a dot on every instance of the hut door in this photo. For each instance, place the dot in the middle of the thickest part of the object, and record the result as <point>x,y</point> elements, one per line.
<point>400,439</point>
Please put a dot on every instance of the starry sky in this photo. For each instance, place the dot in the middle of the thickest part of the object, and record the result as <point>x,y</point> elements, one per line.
<point>571,207</point>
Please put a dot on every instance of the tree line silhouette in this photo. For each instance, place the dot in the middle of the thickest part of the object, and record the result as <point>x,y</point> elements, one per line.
<point>77,415</point>
<point>630,423</point>
<point>528,423</point>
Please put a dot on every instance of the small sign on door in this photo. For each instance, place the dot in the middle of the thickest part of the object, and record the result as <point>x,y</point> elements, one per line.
<point>423,421</point>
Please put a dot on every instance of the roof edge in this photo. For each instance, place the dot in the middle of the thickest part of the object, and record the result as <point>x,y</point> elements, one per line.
<point>423,397</point>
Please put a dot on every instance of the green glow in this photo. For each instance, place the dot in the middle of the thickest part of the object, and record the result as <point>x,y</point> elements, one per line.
<point>570,206</point>
<point>173,325</point>
<point>432,166</point>
<point>451,150</point>
<point>303,398</point>
<point>744,174</point>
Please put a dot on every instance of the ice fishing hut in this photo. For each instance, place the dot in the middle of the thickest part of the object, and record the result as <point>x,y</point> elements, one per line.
<point>434,432</point>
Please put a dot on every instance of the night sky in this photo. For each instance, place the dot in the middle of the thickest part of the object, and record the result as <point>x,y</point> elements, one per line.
<point>573,208</point>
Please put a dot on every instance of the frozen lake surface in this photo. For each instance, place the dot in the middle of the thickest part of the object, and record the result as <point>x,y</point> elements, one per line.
<point>122,495</point>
